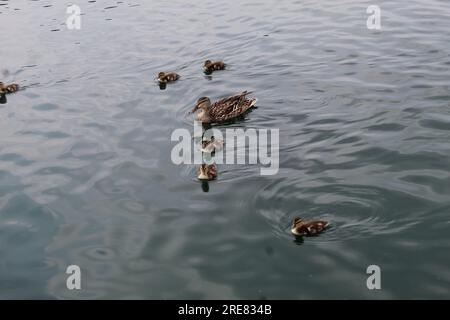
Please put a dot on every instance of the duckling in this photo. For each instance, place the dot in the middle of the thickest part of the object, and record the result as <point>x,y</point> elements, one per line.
<point>308,228</point>
<point>207,172</point>
<point>10,88</point>
<point>210,66</point>
<point>213,145</point>
<point>223,110</point>
<point>167,77</point>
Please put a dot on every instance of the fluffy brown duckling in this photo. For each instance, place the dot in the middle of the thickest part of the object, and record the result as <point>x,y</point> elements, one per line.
<point>207,172</point>
<point>223,110</point>
<point>213,145</point>
<point>301,227</point>
<point>10,88</point>
<point>167,77</point>
<point>210,66</point>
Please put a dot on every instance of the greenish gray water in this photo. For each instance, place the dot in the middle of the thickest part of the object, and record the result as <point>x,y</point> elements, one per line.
<point>86,176</point>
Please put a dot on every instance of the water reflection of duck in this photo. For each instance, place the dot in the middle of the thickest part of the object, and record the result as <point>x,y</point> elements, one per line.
<point>3,99</point>
<point>301,227</point>
<point>223,110</point>
<point>162,85</point>
<point>210,66</point>
<point>205,186</point>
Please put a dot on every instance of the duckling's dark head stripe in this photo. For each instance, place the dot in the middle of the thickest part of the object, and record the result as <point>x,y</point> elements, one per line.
<point>202,100</point>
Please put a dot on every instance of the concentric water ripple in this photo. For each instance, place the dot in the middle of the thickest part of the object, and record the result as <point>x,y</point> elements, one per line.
<point>355,211</point>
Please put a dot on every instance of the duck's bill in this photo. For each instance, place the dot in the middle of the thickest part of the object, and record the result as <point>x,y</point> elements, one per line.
<point>195,109</point>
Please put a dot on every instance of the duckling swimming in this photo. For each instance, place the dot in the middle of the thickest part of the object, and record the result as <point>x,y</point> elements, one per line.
<point>167,77</point>
<point>223,110</point>
<point>308,228</point>
<point>207,172</point>
<point>10,88</point>
<point>210,66</point>
<point>213,145</point>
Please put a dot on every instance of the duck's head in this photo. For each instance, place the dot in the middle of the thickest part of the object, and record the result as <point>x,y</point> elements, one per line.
<point>206,143</point>
<point>204,172</point>
<point>297,221</point>
<point>161,75</point>
<point>206,64</point>
<point>203,103</point>
<point>296,224</point>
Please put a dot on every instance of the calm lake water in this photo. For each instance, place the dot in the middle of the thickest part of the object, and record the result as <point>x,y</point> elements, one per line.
<point>86,176</point>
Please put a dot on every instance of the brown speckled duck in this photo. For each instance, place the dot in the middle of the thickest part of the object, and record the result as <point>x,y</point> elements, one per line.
<point>223,110</point>
<point>207,172</point>
<point>10,88</point>
<point>210,66</point>
<point>167,77</point>
<point>308,228</point>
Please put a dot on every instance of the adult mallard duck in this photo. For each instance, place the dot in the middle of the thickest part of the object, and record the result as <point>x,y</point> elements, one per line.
<point>223,110</point>
<point>167,77</point>
<point>213,145</point>
<point>210,66</point>
<point>207,172</point>
<point>10,88</point>
<point>308,228</point>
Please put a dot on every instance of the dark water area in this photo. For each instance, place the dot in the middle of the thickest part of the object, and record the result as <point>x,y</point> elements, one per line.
<point>86,176</point>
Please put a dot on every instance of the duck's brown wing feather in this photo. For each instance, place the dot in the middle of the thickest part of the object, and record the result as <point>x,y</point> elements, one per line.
<point>317,225</point>
<point>10,88</point>
<point>219,65</point>
<point>213,170</point>
<point>231,107</point>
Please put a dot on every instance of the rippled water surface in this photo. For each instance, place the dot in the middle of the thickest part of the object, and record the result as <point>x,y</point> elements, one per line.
<point>86,176</point>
